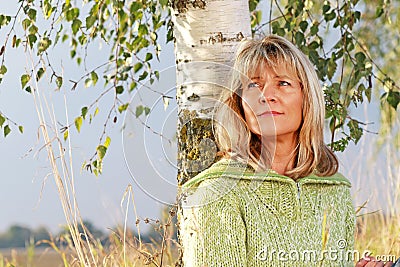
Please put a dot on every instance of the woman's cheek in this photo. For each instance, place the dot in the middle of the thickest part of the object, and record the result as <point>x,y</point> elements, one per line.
<point>253,123</point>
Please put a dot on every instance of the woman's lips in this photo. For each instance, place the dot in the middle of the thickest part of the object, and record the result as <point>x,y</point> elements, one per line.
<point>270,113</point>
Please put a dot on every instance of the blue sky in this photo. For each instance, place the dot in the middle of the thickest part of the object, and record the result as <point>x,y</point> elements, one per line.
<point>28,195</point>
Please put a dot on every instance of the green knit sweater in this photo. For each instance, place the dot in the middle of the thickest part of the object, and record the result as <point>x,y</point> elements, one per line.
<point>235,217</point>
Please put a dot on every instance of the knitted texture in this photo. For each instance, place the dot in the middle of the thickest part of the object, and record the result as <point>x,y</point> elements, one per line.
<point>232,216</point>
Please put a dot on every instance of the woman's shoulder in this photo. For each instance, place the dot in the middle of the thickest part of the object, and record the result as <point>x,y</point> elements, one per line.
<point>337,178</point>
<point>221,182</point>
<point>226,172</point>
<point>221,170</point>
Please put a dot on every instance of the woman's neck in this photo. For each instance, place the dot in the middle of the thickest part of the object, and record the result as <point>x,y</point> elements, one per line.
<point>283,152</point>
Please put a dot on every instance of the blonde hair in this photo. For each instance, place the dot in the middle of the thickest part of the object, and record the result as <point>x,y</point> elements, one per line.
<point>234,137</point>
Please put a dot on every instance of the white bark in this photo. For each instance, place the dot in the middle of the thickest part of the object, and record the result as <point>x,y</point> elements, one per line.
<point>206,40</point>
<point>205,43</point>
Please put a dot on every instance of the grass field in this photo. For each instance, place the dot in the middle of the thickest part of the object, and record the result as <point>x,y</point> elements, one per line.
<point>39,258</point>
<point>375,234</point>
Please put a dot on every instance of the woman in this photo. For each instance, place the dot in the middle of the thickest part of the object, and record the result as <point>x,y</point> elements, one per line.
<point>275,198</point>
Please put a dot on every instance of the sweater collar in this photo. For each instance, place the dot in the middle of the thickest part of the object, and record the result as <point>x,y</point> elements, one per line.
<point>233,169</point>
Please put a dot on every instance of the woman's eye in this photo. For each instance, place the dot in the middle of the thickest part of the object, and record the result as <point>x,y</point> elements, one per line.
<point>283,83</point>
<point>253,85</point>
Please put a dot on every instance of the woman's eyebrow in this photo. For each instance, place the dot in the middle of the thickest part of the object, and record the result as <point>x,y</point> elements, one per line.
<point>283,77</point>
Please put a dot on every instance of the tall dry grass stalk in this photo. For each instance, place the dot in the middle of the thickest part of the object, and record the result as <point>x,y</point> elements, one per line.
<point>125,248</point>
<point>60,159</point>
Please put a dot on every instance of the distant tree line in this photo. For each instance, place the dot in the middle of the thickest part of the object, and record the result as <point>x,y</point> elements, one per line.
<point>18,236</point>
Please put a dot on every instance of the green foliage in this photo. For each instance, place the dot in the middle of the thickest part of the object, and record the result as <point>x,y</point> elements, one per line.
<point>255,15</point>
<point>65,135</point>
<point>78,123</point>
<point>7,127</point>
<point>101,150</point>
<point>2,120</point>
<point>84,111</point>
<point>123,107</point>
<point>140,110</point>
<point>44,44</point>
<point>119,89</point>
<point>345,68</point>
<point>382,49</point>
<point>3,70</point>
<point>59,82</point>
<point>393,98</point>
<point>7,130</point>
<point>4,20</point>
<point>25,78</point>
<point>132,29</point>
<point>40,73</point>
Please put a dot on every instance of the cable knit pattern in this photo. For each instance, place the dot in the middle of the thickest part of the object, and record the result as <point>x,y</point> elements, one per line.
<point>235,217</point>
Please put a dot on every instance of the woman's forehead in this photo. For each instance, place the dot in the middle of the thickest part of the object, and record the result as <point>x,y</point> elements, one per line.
<point>264,69</point>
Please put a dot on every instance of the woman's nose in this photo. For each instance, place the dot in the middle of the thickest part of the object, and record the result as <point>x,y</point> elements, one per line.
<point>268,94</point>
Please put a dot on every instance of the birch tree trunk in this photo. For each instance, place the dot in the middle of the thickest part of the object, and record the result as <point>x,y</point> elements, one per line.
<point>206,35</point>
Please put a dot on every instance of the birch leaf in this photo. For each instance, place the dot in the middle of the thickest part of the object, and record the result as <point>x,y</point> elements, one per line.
<point>78,123</point>
<point>7,130</point>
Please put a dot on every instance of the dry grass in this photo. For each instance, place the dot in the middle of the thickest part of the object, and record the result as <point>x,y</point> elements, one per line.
<point>80,248</point>
<point>113,255</point>
<point>378,185</point>
<point>379,235</point>
<point>43,258</point>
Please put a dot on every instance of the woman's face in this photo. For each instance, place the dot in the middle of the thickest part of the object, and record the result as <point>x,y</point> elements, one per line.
<point>272,101</point>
